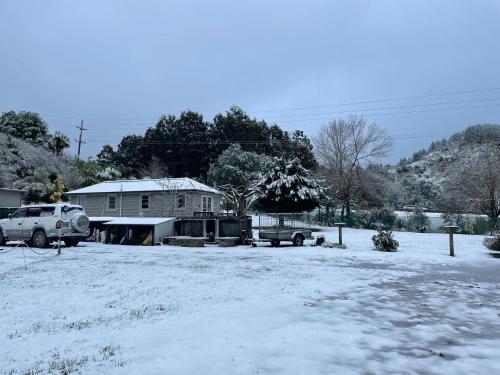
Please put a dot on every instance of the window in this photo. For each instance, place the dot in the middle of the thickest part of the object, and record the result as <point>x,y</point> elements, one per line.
<point>82,200</point>
<point>34,212</point>
<point>181,201</point>
<point>206,204</point>
<point>111,202</point>
<point>145,202</point>
<point>20,213</point>
<point>67,209</point>
<point>48,211</point>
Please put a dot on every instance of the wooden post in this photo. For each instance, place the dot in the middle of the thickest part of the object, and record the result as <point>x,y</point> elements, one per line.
<point>340,225</point>
<point>451,229</point>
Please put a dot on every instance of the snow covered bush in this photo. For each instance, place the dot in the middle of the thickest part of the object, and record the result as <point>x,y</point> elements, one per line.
<point>334,245</point>
<point>419,221</point>
<point>400,224</point>
<point>384,241</point>
<point>492,243</point>
<point>376,218</point>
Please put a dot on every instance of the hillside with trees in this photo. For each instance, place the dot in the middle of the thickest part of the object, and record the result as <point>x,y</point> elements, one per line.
<point>428,179</point>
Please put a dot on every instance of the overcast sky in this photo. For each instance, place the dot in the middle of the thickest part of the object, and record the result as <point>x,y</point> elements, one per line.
<point>119,65</point>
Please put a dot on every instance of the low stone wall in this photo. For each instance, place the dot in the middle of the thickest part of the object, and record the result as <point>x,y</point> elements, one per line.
<point>184,241</point>
<point>228,241</point>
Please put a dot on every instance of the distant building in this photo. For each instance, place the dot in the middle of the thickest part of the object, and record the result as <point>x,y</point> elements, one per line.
<point>11,198</point>
<point>167,197</point>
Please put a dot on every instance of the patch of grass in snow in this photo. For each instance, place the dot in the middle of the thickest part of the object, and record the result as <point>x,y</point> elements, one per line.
<point>145,312</point>
<point>55,362</point>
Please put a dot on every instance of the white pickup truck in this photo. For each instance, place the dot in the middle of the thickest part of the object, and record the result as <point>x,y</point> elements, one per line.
<point>41,224</point>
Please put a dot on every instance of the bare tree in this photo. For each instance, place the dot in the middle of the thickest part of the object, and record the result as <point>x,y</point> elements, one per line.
<point>155,169</point>
<point>475,186</point>
<point>343,149</point>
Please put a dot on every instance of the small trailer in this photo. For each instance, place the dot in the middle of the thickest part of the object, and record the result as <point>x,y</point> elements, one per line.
<point>281,227</point>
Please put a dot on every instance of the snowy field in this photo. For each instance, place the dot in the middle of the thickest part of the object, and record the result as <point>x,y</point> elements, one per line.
<point>102,309</point>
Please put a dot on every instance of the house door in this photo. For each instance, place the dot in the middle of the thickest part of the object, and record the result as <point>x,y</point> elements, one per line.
<point>211,227</point>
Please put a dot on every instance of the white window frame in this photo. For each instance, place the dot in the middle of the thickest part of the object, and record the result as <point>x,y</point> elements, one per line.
<point>107,202</point>
<point>207,197</point>
<point>177,203</point>
<point>140,202</point>
<point>82,201</point>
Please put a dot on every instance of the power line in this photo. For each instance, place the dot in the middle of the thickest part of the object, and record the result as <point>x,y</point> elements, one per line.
<point>401,113</point>
<point>389,108</point>
<point>141,126</point>
<point>263,142</point>
<point>448,93</point>
<point>380,100</point>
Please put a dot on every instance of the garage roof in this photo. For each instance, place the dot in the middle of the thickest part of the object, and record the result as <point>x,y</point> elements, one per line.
<point>139,220</point>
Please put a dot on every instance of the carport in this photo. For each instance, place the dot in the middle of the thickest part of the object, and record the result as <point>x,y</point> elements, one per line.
<point>138,230</point>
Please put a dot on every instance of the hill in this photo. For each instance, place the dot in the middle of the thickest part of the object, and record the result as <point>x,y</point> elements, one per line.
<point>421,179</point>
<point>34,168</point>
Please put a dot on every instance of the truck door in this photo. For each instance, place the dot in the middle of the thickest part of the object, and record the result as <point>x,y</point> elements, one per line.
<point>13,227</point>
<point>30,220</point>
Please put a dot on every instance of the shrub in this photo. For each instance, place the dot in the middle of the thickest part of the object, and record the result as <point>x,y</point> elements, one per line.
<point>419,221</point>
<point>492,243</point>
<point>482,225</point>
<point>383,218</point>
<point>400,224</point>
<point>384,241</point>
<point>333,245</point>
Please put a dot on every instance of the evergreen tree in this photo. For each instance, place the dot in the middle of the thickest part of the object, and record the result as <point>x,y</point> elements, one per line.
<point>58,142</point>
<point>288,187</point>
<point>181,144</point>
<point>58,192</point>
<point>235,174</point>
<point>28,126</point>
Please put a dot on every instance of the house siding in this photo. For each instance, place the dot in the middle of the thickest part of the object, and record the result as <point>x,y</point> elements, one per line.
<point>10,198</point>
<point>161,204</point>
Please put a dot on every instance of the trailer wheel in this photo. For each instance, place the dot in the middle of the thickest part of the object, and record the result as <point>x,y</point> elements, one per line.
<point>275,243</point>
<point>298,240</point>
<point>2,238</point>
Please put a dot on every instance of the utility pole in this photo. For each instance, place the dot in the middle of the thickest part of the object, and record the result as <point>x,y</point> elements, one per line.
<point>79,140</point>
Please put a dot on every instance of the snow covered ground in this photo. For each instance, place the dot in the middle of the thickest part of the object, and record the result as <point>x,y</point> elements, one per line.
<point>166,310</point>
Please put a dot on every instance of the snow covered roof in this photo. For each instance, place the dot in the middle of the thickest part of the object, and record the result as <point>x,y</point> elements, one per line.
<point>16,190</point>
<point>132,186</point>
<point>138,220</point>
<point>101,219</point>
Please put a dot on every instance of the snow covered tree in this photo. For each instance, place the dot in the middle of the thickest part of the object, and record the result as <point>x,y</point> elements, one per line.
<point>475,186</point>
<point>28,126</point>
<point>236,173</point>
<point>57,142</point>
<point>106,156</point>
<point>288,187</point>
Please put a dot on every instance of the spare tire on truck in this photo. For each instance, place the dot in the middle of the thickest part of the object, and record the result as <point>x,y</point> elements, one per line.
<point>80,223</point>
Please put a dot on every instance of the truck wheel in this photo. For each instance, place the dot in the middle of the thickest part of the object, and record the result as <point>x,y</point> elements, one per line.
<point>39,239</point>
<point>70,243</point>
<point>275,243</point>
<point>298,240</point>
<point>2,239</point>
